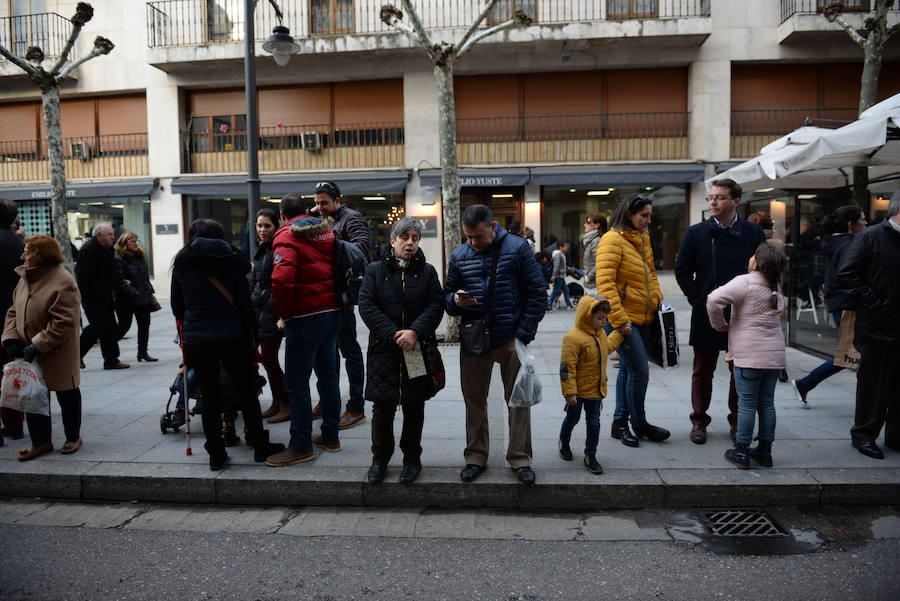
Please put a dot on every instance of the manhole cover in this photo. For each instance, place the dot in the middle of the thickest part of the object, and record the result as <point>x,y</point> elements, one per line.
<point>742,524</point>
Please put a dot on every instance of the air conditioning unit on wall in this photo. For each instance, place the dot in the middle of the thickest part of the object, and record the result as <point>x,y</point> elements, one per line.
<point>311,140</point>
<point>81,150</point>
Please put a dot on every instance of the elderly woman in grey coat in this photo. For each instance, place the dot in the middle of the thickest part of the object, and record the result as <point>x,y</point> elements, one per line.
<point>594,227</point>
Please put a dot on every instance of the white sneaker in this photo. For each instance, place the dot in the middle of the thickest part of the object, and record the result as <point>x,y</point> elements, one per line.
<point>800,396</point>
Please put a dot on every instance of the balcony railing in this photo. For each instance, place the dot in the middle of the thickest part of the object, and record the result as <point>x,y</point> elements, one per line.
<point>89,157</point>
<point>49,31</point>
<point>573,138</point>
<point>200,22</point>
<point>789,8</point>
<point>753,129</point>
<point>297,147</point>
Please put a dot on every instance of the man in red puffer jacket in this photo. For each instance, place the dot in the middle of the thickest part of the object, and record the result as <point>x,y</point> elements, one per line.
<point>304,295</point>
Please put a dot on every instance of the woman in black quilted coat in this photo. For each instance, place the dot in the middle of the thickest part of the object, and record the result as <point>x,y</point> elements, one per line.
<point>134,294</point>
<point>402,305</point>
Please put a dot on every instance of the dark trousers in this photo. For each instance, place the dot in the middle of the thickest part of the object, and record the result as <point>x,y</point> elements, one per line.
<point>268,351</point>
<point>410,437</point>
<point>101,326</point>
<point>877,394</point>
<point>705,360</point>
<point>142,316</point>
<point>234,357</point>
<point>11,419</point>
<point>70,408</point>
<point>348,346</point>
<point>591,421</point>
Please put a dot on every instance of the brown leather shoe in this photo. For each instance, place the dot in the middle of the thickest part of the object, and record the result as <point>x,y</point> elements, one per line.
<point>350,420</point>
<point>332,446</point>
<point>698,434</point>
<point>32,452</point>
<point>289,457</point>
<point>118,365</point>
<point>317,412</point>
<point>282,413</point>
<point>272,410</point>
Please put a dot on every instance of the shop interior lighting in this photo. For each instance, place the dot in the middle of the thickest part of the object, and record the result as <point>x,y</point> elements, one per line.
<point>599,192</point>
<point>806,196</point>
<point>761,190</point>
<point>273,200</point>
<point>95,204</point>
<point>501,195</point>
<point>117,206</point>
<point>374,198</point>
<point>572,190</point>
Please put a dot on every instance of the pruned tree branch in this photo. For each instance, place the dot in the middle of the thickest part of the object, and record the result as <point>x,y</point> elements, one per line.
<point>101,46</point>
<point>17,61</point>
<point>519,19</point>
<point>474,26</point>
<point>834,13</point>
<point>393,16</point>
<point>70,43</point>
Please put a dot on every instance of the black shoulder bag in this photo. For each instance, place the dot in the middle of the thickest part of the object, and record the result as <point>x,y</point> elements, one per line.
<point>475,334</point>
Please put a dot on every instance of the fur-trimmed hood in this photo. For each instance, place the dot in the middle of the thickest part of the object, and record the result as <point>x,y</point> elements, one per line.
<point>307,226</point>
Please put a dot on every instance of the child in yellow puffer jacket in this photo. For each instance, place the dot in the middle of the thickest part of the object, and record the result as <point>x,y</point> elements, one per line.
<point>582,373</point>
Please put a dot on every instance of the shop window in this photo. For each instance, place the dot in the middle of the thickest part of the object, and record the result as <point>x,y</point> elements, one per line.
<point>331,16</point>
<point>504,10</point>
<point>632,9</point>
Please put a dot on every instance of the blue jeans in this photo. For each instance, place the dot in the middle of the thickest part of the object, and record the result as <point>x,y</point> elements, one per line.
<point>559,286</point>
<point>310,343</point>
<point>591,421</point>
<point>634,374</point>
<point>756,395</point>
<point>825,370</point>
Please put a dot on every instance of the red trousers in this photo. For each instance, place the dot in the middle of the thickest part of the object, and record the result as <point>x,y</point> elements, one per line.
<point>705,360</point>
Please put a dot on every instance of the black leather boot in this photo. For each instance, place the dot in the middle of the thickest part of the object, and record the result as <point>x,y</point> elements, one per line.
<point>762,454</point>
<point>651,433</point>
<point>217,455</point>
<point>143,356</point>
<point>621,431</point>
<point>376,473</point>
<point>262,448</point>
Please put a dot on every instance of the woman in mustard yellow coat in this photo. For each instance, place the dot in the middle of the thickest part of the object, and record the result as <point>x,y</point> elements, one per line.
<point>626,276</point>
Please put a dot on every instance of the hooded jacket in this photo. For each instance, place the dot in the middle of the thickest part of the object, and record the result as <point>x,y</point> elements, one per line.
<point>350,226</point>
<point>516,304</point>
<point>582,361</point>
<point>626,276</point>
<point>868,274</point>
<point>261,291</point>
<point>303,274</point>
<point>208,317</point>
<point>393,299</point>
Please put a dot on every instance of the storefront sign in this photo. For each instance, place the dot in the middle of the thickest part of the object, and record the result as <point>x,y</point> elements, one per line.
<point>47,193</point>
<point>465,182</point>
<point>163,229</point>
<point>429,226</point>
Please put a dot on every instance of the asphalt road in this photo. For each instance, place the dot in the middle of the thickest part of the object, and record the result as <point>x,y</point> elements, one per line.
<point>177,558</point>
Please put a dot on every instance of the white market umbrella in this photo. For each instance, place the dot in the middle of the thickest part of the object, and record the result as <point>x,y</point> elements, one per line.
<point>816,157</point>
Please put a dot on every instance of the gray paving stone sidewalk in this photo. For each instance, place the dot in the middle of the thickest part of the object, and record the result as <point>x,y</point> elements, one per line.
<point>125,456</point>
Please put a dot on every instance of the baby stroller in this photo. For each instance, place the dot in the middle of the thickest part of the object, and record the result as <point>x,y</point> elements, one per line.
<point>576,291</point>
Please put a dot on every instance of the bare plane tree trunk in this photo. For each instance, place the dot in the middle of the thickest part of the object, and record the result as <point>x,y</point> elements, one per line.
<point>872,44</point>
<point>48,82</point>
<point>443,56</point>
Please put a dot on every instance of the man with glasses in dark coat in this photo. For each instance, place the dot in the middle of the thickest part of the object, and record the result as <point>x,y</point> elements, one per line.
<point>349,226</point>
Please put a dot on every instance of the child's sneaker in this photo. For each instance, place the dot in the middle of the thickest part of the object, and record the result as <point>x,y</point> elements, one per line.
<point>739,456</point>
<point>564,451</point>
<point>762,453</point>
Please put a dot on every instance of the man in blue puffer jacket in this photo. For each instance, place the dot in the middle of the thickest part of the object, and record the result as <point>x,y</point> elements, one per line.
<point>513,304</point>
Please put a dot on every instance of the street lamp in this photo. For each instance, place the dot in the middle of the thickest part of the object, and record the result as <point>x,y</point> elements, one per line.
<point>281,45</point>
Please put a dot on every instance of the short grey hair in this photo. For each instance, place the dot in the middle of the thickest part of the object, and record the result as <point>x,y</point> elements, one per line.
<point>100,226</point>
<point>894,206</point>
<point>404,225</point>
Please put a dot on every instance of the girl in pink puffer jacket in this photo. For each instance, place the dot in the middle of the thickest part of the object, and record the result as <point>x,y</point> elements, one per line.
<point>756,345</point>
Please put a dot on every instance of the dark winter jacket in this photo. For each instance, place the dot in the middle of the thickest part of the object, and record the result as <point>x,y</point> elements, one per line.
<point>11,247</point>
<point>350,226</point>
<point>709,257</point>
<point>95,272</point>
<point>834,247</point>
<point>867,273</point>
<point>261,291</point>
<point>393,299</point>
<point>136,294</point>
<point>207,315</point>
<point>303,274</point>
<point>517,302</point>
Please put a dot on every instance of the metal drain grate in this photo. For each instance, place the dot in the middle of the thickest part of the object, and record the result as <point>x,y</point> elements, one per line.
<point>742,524</point>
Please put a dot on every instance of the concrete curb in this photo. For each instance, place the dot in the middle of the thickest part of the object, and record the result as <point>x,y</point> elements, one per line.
<point>441,487</point>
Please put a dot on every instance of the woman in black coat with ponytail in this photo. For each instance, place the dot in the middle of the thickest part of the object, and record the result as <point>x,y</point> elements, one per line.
<point>402,305</point>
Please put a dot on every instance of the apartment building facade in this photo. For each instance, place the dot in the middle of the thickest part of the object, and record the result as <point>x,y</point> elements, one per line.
<point>597,99</point>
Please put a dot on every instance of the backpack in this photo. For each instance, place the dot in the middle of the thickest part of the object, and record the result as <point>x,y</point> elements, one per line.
<point>349,271</point>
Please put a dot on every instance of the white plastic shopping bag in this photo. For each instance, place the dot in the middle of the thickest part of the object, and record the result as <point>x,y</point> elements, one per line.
<point>527,389</point>
<point>23,388</point>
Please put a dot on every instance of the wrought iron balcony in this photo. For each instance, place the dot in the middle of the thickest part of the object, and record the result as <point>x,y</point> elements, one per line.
<point>789,8</point>
<point>201,22</point>
<point>49,31</point>
<point>89,157</point>
<point>753,129</point>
